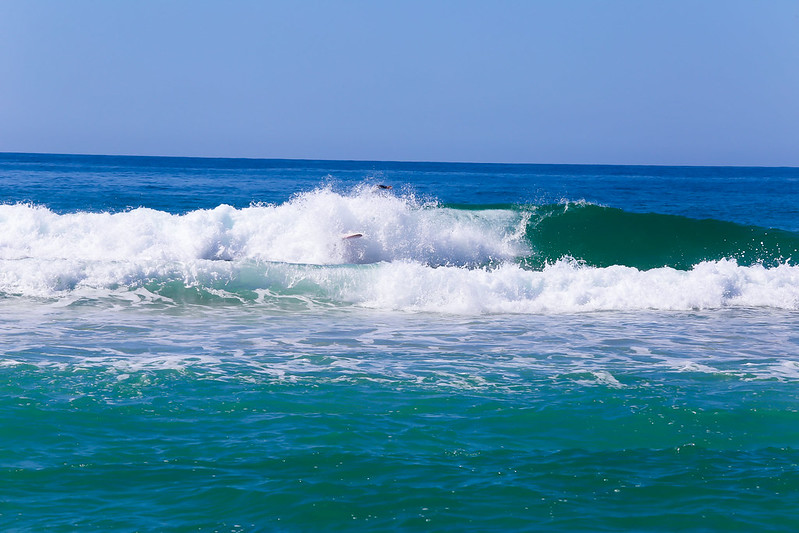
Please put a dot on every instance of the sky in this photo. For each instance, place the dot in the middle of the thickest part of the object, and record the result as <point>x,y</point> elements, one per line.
<point>661,82</point>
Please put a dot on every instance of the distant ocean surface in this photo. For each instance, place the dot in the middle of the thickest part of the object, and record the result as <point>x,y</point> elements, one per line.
<point>194,345</point>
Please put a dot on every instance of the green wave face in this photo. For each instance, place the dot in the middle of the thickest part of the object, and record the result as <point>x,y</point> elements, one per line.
<point>605,236</point>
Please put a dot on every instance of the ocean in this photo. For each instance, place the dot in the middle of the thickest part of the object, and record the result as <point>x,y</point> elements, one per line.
<point>194,344</point>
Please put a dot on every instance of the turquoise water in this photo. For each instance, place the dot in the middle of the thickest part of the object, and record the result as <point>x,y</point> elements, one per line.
<point>191,345</point>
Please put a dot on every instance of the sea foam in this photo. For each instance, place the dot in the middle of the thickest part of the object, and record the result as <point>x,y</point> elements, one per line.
<point>308,229</point>
<point>564,287</point>
<point>413,256</point>
<point>568,286</point>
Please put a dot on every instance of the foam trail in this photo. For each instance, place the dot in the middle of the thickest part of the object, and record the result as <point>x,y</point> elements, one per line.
<point>565,287</point>
<point>568,287</point>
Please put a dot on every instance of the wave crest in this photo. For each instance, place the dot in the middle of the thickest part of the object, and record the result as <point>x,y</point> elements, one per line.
<point>308,229</point>
<point>413,256</point>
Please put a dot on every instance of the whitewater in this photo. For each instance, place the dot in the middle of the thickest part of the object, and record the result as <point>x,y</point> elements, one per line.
<point>412,256</point>
<point>195,344</point>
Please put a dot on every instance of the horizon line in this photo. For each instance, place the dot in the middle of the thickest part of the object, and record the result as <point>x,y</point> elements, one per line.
<point>392,161</point>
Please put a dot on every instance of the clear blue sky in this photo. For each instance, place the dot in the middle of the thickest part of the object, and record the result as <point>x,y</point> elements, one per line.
<point>605,81</point>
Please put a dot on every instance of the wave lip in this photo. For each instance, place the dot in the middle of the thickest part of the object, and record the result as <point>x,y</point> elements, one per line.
<point>604,236</point>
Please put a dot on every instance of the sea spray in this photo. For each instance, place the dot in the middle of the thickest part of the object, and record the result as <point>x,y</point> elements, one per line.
<point>308,229</point>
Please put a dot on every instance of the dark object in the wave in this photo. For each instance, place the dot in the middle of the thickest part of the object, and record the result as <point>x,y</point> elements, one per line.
<point>384,187</point>
<point>352,236</point>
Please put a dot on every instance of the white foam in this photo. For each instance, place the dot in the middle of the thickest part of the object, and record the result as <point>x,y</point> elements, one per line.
<point>601,378</point>
<point>421,258</point>
<point>306,230</point>
<point>567,287</point>
<point>786,370</point>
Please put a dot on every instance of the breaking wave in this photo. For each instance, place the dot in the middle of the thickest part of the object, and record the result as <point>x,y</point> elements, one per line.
<point>410,255</point>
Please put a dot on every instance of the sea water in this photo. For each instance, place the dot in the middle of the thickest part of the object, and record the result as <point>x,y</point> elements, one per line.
<point>194,345</point>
